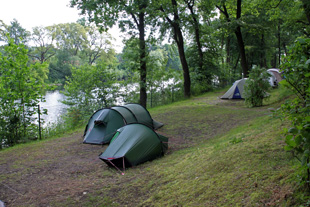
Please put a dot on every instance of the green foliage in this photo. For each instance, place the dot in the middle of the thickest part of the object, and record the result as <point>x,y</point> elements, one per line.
<point>163,83</point>
<point>296,70</point>
<point>256,87</point>
<point>130,55</point>
<point>14,32</point>
<point>88,89</point>
<point>43,40</point>
<point>164,76</point>
<point>71,37</point>
<point>77,44</point>
<point>60,66</point>
<point>21,88</point>
<point>173,61</point>
<point>130,17</point>
<point>201,77</point>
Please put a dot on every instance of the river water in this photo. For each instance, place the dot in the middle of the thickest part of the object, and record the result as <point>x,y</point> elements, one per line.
<point>55,108</point>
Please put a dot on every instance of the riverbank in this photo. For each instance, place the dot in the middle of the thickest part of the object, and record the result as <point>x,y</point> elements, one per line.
<point>220,154</point>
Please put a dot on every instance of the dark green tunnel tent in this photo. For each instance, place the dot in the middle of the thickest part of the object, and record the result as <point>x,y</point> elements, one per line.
<point>103,124</point>
<point>143,116</point>
<point>134,144</point>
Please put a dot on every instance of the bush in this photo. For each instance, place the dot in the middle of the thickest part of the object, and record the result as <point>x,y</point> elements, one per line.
<point>256,87</point>
<point>296,70</point>
<point>21,89</point>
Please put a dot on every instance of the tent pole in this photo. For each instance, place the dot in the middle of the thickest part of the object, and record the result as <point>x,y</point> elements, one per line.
<point>116,167</point>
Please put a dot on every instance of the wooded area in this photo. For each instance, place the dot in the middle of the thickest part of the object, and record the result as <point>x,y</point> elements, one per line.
<point>174,49</point>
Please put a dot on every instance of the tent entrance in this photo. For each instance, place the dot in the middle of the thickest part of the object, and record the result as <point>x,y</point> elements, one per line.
<point>237,94</point>
<point>118,163</point>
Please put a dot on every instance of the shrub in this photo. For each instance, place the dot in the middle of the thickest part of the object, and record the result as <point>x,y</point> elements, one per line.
<point>296,68</point>
<point>256,87</point>
<point>21,89</point>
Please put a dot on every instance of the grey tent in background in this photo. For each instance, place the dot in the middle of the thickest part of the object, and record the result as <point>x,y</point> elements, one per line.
<point>103,124</point>
<point>236,90</point>
<point>275,76</point>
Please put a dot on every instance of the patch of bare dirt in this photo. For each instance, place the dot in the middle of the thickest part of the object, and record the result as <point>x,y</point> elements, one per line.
<point>62,168</point>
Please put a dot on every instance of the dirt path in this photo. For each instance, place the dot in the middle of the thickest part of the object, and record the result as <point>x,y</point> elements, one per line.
<point>48,173</point>
<point>38,175</point>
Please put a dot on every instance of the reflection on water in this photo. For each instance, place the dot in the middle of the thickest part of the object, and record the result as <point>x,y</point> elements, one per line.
<point>54,106</point>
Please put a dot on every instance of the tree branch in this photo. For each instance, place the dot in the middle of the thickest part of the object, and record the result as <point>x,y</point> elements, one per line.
<point>276,5</point>
<point>238,15</point>
<point>168,19</point>
<point>225,12</point>
<point>135,19</point>
<point>302,22</point>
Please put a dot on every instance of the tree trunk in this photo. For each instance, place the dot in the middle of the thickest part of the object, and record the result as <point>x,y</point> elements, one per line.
<point>228,65</point>
<point>238,33</point>
<point>197,35</point>
<point>263,61</point>
<point>178,37</point>
<point>143,94</point>
<point>199,48</point>
<point>228,50</point>
<point>186,76</point>
<point>244,64</point>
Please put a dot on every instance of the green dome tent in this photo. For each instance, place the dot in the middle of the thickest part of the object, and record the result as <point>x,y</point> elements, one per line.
<point>134,144</point>
<point>103,124</point>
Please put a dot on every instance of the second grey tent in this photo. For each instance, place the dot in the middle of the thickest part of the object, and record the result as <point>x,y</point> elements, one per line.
<point>134,144</point>
<point>275,76</point>
<point>103,124</point>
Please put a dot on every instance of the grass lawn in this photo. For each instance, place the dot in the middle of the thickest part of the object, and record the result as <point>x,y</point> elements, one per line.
<point>221,153</point>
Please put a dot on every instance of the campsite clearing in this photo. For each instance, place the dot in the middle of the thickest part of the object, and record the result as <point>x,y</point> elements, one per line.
<point>220,154</point>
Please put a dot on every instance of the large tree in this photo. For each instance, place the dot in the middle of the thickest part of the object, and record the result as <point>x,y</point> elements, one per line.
<point>98,43</point>
<point>43,40</point>
<point>13,31</point>
<point>194,20</point>
<point>237,30</point>
<point>169,11</point>
<point>130,16</point>
<point>70,37</point>
<point>197,18</point>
